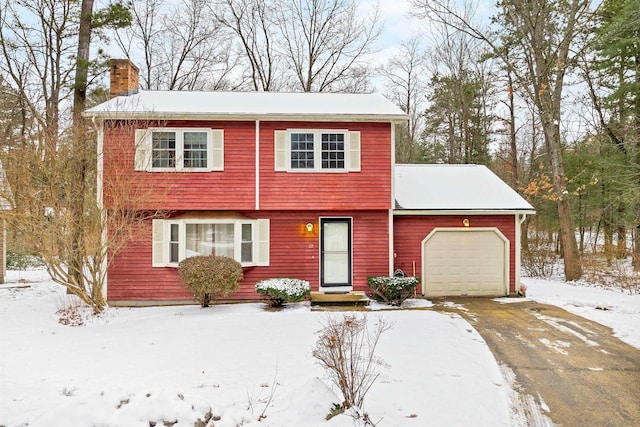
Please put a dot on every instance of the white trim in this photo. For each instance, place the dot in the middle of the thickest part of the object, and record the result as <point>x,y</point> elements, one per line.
<point>391,245</point>
<point>317,149</point>
<point>298,117</point>
<point>467,230</point>
<point>329,289</point>
<point>182,239</point>
<point>393,166</point>
<point>518,249</point>
<point>257,165</point>
<point>470,212</point>
<point>144,149</point>
<point>100,202</point>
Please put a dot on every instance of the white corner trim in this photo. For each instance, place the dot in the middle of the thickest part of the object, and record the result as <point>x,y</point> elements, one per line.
<point>257,162</point>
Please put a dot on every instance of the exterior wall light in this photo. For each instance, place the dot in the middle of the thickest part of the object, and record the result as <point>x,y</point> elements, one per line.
<point>309,227</point>
<point>465,222</point>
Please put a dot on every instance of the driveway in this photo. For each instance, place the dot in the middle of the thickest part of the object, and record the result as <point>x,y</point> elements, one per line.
<point>572,368</point>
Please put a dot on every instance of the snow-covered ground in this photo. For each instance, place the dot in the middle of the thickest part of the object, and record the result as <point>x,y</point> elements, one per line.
<point>131,367</point>
<point>617,310</point>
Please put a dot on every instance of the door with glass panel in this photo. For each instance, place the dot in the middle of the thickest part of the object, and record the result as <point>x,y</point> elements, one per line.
<point>335,249</point>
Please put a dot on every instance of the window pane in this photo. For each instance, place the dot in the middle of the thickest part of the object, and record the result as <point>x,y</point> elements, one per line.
<point>333,151</point>
<point>173,243</point>
<point>302,151</point>
<point>164,149</point>
<point>209,239</point>
<point>246,246</point>
<point>195,149</point>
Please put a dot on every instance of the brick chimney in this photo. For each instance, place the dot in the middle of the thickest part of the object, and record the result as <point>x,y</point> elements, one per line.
<point>124,78</point>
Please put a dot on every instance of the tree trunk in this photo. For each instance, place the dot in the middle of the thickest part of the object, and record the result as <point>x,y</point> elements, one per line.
<point>80,141</point>
<point>570,253</point>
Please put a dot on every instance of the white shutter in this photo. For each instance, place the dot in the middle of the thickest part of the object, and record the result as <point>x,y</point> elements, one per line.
<point>262,246</point>
<point>160,243</point>
<point>354,151</point>
<point>142,160</point>
<point>280,154</point>
<point>215,155</point>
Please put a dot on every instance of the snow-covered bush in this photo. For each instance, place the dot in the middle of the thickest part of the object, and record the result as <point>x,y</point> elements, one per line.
<point>282,290</point>
<point>211,277</point>
<point>392,290</point>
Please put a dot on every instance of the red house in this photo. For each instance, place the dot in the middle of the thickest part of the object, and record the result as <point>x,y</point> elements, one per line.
<point>297,185</point>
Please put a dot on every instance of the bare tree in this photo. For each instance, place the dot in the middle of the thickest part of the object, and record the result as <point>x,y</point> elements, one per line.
<point>253,24</point>
<point>37,39</point>
<point>325,42</point>
<point>183,46</point>
<point>405,83</point>
<point>542,38</point>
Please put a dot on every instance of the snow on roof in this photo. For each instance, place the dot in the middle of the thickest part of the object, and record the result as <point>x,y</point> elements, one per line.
<point>182,104</point>
<point>454,187</point>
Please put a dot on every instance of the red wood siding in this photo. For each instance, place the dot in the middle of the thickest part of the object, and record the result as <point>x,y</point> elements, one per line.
<point>409,231</point>
<point>368,189</point>
<point>293,253</point>
<point>233,188</point>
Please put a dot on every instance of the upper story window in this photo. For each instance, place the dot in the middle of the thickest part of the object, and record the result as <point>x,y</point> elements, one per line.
<point>317,151</point>
<point>188,150</point>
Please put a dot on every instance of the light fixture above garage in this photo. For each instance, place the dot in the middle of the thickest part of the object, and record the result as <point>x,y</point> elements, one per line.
<point>466,222</point>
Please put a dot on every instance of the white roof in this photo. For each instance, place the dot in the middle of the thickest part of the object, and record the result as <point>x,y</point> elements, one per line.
<point>243,105</point>
<point>454,187</point>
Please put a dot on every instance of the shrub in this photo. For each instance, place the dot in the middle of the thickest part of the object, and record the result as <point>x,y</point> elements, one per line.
<point>283,290</point>
<point>346,349</point>
<point>21,261</point>
<point>392,290</point>
<point>210,278</point>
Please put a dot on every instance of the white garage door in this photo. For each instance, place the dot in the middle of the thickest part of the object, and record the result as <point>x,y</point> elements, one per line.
<point>470,261</point>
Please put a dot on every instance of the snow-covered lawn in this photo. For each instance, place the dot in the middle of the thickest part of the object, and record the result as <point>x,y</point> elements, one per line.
<point>132,366</point>
<point>138,365</point>
<point>617,310</point>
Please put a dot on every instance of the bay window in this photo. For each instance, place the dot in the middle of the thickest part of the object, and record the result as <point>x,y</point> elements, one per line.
<point>246,241</point>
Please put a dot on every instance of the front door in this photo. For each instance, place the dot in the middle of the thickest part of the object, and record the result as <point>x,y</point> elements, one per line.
<point>335,249</point>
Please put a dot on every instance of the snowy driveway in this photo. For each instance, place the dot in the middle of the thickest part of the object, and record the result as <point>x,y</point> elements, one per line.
<point>567,368</point>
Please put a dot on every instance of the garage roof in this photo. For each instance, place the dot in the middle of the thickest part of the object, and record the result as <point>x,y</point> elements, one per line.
<point>454,188</point>
<point>252,105</point>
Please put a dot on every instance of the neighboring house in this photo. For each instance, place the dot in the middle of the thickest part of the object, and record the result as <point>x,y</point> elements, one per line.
<point>296,185</point>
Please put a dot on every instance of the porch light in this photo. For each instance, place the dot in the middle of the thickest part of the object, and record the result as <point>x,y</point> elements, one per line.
<point>309,227</point>
<point>465,222</point>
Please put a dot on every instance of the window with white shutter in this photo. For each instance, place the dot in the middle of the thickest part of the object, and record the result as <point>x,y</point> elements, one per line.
<point>246,241</point>
<point>179,150</point>
<point>313,150</point>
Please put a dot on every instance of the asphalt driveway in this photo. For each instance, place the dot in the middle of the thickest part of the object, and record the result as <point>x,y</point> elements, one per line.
<point>572,368</point>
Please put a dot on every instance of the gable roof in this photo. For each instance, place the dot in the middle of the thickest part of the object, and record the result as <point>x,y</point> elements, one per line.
<point>249,105</point>
<point>454,188</point>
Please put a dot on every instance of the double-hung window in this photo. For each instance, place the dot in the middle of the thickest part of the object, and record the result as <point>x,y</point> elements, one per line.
<point>176,150</point>
<point>246,241</point>
<point>317,151</point>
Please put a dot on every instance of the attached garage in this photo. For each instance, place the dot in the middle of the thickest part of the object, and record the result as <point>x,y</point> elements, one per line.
<point>457,227</point>
<point>467,261</point>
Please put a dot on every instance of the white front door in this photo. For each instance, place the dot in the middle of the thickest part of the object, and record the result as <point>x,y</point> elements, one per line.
<point>335,248</point>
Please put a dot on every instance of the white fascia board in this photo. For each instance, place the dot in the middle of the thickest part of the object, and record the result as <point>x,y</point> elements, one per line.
<point>124,115</point>
<point>424,212</point>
